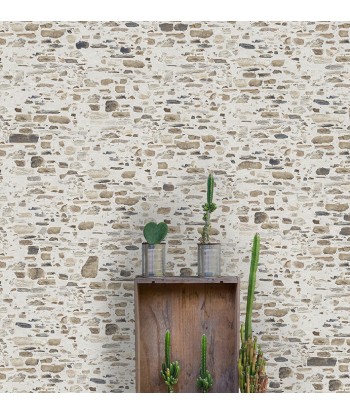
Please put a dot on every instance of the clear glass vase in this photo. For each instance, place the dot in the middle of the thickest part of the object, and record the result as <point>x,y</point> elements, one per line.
<point>209,260</point>
<point>153,260</point>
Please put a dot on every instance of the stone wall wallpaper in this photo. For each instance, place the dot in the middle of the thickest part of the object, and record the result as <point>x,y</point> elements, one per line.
<point>108,125</point>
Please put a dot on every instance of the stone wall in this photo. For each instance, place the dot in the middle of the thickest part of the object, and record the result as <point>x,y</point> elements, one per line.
<point>105,126</point>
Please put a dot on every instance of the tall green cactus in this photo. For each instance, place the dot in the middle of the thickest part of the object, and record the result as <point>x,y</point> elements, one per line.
<point>205,380</point>
<point>170,370</point>
<point>208,208</point>
<point>251,363</point>
<point>251,287</point>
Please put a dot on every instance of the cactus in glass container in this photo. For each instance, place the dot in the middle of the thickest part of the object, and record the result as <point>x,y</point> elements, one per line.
<point>205,380</point>
<point>155,233</point>
<point>208,208</point>
<point>170,370</point>
<point>251,362</point>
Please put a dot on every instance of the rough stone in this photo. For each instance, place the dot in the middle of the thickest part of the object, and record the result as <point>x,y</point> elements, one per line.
<point>249,165</point>
<point>55,34</point>
<point>35,273</point>
<point>260,217</point>
<point>282,175</point>
<point>166,27</point>
<point>52,368</point>
<point>201,33</point>
<point>82,45</point>
<point>275,312</point>
<point>321,361</point>
<point>285,372</point>
<point>132,63</point>
<point>23,138</point>
<point>111,329</point>
<point>334,385</point>
<point>59,119</point>
<point>337,207</point>
<point>36,161</point>
<point>90,268</point>
<point>83,226</point>
<point>111,106</point>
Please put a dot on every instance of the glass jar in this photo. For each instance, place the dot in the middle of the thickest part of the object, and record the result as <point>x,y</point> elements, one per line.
<point>209,260</point>
<point>153,260</point>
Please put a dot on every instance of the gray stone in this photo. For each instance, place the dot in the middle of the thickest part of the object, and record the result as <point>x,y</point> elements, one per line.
<point>24,325</point>
<point>168,187</point>
<point>23,138</point>
<point>285,372</point>
<point>322,171</point>
<point>36,161</point>
<point>321,361</point>
<point>82,45</point>
<point>345,230</point>
<point>181,27</point>
<point>97,380</point>
<point>166,27</point>
<point>260,217</point>
<point>335,385</point>
<point>111,106</point>
<point>111,329</point>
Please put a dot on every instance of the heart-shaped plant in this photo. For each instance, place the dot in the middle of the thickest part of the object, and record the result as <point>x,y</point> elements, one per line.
<point>155,233</point>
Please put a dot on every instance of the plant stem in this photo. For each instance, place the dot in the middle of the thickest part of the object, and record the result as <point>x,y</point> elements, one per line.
<point>251,287</point>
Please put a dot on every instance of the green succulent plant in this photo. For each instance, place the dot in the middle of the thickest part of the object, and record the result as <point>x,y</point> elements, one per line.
<point>208,208</point>
<point>251,362</point>
<point>170,370</point>
<point>205,380</point>
<point>155,233</point>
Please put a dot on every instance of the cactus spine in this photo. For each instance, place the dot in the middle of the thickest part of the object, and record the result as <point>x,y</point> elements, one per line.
<point>170,370</point>
<point>205,380</point>
<point>251,363</point>
<point>208,208</point>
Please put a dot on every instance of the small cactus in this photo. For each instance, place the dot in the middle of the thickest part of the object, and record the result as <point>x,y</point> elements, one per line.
<point>251,362</point>
<point>170,370</point>
<point>208,208</point>
<point>205,380</point>
<point>155,233</point>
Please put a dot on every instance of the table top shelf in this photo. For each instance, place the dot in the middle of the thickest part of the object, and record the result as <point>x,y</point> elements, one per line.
<point>186,280</point>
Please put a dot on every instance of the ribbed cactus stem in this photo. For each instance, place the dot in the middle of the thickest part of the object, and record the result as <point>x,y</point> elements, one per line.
<point>205,380</point>
<point>167,348</point>
<point>210,189</point>
<point>251,287</point>
<point>208,208</point>
<point>204,355</point>
<point>170,370</point>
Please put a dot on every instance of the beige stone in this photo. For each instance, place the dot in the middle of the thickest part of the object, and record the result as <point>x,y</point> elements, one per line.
<point>55,34</point>
<point>132,63</point>
<point>90,268</point>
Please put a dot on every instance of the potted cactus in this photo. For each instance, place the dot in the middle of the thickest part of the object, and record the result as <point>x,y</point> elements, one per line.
<point>153,251</point>
<point>209,261</point>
